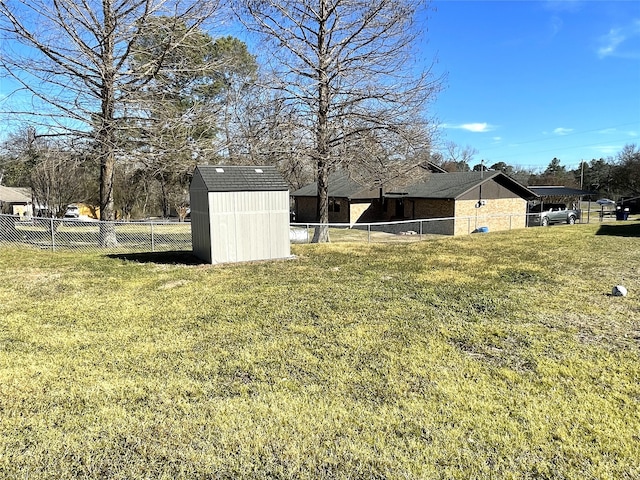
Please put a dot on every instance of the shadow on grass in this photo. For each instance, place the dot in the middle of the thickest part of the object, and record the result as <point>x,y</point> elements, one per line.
<point>174,257</point>
<point>620,230</point>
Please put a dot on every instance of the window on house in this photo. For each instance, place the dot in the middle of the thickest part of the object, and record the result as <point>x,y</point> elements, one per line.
<point>334,205</point>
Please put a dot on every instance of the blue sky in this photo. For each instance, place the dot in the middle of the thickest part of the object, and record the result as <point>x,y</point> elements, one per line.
<point>528,81</point>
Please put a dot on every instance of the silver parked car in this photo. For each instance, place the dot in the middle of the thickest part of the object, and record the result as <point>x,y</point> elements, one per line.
<point>548,213</point>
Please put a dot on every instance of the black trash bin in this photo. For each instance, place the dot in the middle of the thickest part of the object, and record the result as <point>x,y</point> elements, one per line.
<point>622,214</point>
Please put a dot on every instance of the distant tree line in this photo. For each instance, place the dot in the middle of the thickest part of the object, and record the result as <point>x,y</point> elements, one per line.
<point>612,177</point>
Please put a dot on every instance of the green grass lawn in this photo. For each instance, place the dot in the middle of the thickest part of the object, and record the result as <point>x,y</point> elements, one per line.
<point>497,355</point>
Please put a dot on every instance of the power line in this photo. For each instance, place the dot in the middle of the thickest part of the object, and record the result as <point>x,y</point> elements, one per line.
<point>573,134</point>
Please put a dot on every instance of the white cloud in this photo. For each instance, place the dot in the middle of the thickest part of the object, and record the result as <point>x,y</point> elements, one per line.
<point>563,131</point>
<point>477,127</point>
<point>471,127</point>
<point>610,42</point>
<point>617,42</point>
<point>607,149</point>
<point>608,131</point>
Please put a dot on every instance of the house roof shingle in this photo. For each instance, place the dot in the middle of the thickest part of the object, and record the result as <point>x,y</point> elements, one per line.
<point>456,184</point>
<point>340,186</point>
<point>15,194</point>
<point>440,185</point>
<point>226,178</point>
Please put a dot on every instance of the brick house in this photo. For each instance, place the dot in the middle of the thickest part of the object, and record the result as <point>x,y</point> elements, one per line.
<point>467,200</point>
<point>16,201</point>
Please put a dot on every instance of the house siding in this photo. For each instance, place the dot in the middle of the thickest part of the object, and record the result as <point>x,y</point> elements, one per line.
<point>307,210</point>
<point>496,214</point>
<point>435,208</point>
<point>491,189</point>
<point>357,211</point>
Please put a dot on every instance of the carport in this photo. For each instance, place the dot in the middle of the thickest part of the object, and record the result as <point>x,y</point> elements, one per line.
<point>561,194</point>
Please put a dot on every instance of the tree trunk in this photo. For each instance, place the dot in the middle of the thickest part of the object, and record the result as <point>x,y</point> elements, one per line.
<point>321,233</point>
<point>164,200</point>
<point>106,133</point>
<point>107,209</point>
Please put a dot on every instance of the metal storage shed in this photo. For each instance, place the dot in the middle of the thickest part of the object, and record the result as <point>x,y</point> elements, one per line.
<point>239,214</point>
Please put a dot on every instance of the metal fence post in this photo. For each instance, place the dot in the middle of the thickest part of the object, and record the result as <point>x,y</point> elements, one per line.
<point>53,235</point>
<point>153,242</point>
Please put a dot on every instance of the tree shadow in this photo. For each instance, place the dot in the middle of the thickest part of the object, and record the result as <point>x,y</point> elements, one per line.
<point>172,257</point>
<point>620,229</point>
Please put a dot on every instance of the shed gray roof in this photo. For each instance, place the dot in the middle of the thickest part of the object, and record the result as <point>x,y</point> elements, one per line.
<point>439,185</point>
<point>228,178</point>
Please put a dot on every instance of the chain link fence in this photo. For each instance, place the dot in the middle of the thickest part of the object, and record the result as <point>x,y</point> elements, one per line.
<point>407,230</point>
<point>74,234</point>
<point>162,236</point>
<point>425,229</point>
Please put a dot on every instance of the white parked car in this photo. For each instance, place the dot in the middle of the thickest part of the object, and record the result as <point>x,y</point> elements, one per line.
<point>72,212</point>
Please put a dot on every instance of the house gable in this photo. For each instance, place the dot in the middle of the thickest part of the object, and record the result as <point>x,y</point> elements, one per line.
<point>459,184</point>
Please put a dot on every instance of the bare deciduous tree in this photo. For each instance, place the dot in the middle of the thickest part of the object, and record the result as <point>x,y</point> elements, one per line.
<point>55,171</point>
<point>268,132</point>
<point>19,156</point>
<point>627,170</point>
<point>454,158</point>
<point>347,67</point>
<point>57,181</point>
<point>71,61</point>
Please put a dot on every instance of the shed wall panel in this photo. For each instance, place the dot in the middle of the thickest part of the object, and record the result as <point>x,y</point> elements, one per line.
<point>249,225</point>
<point>200,234</point>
